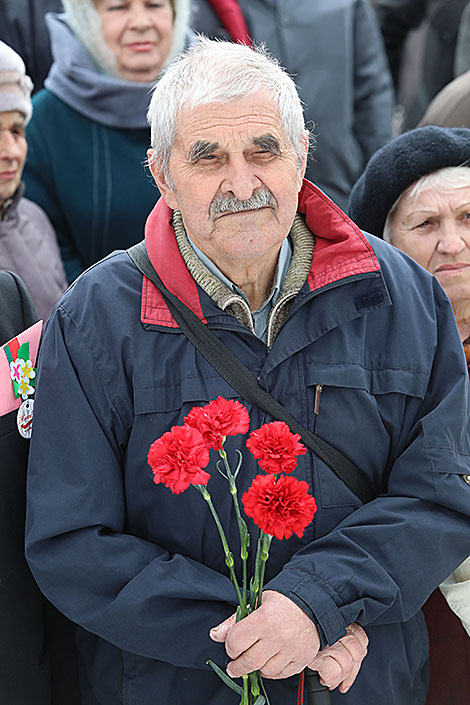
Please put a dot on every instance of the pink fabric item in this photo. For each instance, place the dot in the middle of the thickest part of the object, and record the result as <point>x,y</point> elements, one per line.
<point>7,396</point>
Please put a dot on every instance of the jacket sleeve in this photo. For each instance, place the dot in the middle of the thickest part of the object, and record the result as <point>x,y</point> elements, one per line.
<point>379,565</point>
<point>127,590</point>
<point>373,88</point>
<point>41,188</point>
<point>397,18</point>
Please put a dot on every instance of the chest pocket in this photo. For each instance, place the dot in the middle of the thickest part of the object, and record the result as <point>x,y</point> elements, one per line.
<point>365,415</point>
<point>178,399</point>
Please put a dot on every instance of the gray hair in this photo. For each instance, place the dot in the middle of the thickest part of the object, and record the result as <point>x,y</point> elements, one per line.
<point>446,180</point>
<point>217,72</point>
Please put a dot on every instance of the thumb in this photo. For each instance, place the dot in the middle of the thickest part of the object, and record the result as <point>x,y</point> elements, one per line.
<point>219,633</point>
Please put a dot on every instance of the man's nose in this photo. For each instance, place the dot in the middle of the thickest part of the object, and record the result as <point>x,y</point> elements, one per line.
<point>240,179</point>
<point>451,239</point>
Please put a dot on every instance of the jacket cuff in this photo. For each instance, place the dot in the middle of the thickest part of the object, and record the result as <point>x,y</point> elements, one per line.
<point>315,599</point>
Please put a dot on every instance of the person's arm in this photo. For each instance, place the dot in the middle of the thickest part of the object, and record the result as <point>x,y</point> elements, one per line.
<point>379,565</point>
<point>129,591</point>
<point>373,88</point>
<point>397,18</point>
<point>41,188</point>
<point>456,590</point>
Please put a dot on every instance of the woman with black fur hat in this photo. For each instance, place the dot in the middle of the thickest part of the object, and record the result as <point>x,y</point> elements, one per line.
<point>415,193</point>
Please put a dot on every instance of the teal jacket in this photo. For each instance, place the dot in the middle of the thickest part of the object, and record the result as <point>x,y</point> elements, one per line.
<point>90,179</point>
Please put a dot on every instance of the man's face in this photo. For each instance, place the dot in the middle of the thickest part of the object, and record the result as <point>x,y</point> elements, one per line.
<point>434,230</point>
<point>13,148</point>
<point>238,151</point>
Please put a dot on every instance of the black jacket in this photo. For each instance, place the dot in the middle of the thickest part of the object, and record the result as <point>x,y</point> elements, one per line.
<point>22,26</point>
<point>37,651</point>
<point>398,17</point>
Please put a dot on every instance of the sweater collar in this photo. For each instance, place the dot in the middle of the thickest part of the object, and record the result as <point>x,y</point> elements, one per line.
<point>341,251</point>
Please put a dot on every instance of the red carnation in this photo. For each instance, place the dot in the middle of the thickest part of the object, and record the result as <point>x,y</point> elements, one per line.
<point>177,459</point>
<point>279,508</point>
<point>217,419</point>
<point>275,447</point>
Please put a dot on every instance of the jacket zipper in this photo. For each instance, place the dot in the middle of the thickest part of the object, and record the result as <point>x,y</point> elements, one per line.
<point>318,391</point>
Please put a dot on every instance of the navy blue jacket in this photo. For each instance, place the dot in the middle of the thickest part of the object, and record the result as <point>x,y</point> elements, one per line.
<point>141,571</point>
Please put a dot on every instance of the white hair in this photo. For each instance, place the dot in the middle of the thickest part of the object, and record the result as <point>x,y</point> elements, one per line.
<point>445,180</point>
<point>218,72</point>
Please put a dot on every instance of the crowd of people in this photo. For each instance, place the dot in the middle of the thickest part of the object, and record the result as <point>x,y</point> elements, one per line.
<point>316,218</point>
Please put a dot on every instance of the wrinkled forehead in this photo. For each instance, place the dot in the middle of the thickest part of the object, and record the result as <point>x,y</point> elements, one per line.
<point>230,123</point>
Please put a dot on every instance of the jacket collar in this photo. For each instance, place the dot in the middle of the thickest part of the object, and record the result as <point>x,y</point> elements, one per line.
<point>341,251</point>
<point>9,207</point>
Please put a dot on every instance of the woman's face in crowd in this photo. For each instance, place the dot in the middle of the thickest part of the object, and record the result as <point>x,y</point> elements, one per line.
<point>140,35</point>
<point>13,148</point>
<point>434,230</point>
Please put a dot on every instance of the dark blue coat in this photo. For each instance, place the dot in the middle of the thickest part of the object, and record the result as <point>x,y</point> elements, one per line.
<point>141,571</point>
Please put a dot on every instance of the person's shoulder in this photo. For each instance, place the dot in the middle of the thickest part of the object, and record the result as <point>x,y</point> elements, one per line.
<point>36,215</point>
<point>12,287</point>
<point>100,286</point>
<point>17,310</point>
<point>49,110</point>
<point>403,275</point>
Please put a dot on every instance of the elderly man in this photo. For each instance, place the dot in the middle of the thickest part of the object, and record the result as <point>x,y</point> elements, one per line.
<point>318,312</point>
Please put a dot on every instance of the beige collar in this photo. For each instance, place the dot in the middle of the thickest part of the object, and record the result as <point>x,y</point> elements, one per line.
<point>303,241</point>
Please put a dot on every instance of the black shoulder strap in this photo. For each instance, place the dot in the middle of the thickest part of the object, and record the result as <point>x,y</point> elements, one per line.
<point>245,383</point>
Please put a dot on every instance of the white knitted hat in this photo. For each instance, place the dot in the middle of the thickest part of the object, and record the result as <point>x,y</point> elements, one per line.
<point>85,23</point>
<point>15,85</point>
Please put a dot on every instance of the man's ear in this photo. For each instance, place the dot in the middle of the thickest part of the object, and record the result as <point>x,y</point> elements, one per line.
<point>164,187</point>
<point>303,165</point>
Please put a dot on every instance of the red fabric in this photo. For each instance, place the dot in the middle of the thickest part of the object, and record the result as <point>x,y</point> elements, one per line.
<point>14,348</point>
<point>231,16</point>
<point>449,654</point>
<point>300,691</point>
<point>341,250</point>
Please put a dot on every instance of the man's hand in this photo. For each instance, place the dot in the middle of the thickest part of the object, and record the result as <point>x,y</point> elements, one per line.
<point>278,639</point>
<point>338,665</point>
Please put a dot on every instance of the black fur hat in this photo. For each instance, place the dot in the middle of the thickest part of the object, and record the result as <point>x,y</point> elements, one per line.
<point>400,163</point>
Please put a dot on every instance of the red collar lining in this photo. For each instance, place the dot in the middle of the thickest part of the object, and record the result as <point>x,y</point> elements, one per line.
<point>341,251</point>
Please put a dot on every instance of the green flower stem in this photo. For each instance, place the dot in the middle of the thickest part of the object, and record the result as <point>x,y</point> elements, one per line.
<point>246,693</point>
<point>255,683</point>
<point>255,580</point>
<point>262,555</point>
<point>227,552</point>
<point>243,531</point>
<point>267,538</point>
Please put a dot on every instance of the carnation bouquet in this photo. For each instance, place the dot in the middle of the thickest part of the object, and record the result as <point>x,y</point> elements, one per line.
<point>278,503</point>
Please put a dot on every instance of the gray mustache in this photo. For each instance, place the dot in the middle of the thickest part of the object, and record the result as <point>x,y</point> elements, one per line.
<point>231,204</point>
